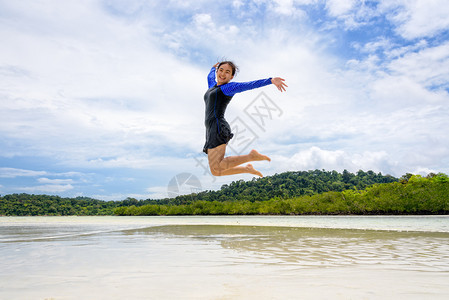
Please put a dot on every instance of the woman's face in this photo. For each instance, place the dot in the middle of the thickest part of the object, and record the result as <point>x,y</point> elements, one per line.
<point>224,74</point>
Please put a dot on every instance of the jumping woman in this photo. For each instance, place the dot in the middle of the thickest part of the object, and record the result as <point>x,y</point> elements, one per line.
<point>218,131</point>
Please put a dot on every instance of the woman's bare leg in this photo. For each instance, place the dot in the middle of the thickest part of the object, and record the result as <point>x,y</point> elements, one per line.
<point>239,170</point>
<point>233,161</point>
<point>220,165</point>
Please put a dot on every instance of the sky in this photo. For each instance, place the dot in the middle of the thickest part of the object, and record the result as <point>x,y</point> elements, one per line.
<point>104,98</point>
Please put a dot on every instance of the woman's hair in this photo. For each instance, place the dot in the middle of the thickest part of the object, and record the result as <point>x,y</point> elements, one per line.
<point>231,64</point>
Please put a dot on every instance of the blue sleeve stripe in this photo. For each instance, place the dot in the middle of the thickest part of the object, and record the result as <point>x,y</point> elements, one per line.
<point>211,78</point>
<point>232,88</point>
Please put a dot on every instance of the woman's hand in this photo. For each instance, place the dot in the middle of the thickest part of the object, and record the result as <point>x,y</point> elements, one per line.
<point>279,83</point>
<point>216,65</point>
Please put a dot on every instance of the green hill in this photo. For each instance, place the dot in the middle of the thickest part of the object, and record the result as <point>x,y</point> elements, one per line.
<point>287,185</point>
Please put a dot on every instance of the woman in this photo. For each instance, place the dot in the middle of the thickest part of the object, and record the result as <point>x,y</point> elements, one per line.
<point>218,131</point>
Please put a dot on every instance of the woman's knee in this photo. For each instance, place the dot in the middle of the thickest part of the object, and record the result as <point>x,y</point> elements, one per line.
<point>215,158</point>
<point>215,169</point>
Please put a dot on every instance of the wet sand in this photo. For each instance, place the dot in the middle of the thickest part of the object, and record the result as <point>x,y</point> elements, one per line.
<point>86,259</point>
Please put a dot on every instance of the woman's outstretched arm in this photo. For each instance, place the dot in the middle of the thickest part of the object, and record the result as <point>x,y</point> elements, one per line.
<point>232,88</point>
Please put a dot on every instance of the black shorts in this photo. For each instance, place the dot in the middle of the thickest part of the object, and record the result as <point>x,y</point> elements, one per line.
<point>217,133</point>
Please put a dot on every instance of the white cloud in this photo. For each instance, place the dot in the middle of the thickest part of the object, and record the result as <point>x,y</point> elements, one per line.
<point>47,188</point>
<point>105,81</point>
<point>55,181</point>
<point>429,66</point>
<point>337,8</point>
<point>417,18</point>
<point>350,14</point>
<point>121,196</point>
<point>205,20</point>
<point>381,43</point>
<point>317,158</point>
<point>14,172</point>
<point>237,3</point>
<point>287,8</point>
<point>157,192</point>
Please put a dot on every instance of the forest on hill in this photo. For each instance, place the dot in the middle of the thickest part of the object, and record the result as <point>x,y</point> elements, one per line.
<point>304,192</point>
<point>288,185</point>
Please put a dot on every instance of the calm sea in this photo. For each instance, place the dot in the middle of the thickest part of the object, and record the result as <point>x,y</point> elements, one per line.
<point>298,257</point>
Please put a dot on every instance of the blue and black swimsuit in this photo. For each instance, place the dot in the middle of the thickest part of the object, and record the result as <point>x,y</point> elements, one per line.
<point>217,98</point>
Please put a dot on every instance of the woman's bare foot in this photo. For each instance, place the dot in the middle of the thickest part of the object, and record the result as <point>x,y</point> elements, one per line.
<point>255,156</point>
<point>251,170</point>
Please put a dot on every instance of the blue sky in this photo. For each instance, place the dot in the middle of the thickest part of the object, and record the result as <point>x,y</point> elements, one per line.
<point>105,98</point>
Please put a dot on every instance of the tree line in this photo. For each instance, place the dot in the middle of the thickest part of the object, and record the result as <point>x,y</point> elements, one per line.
<point>45,205</point>
<point>304,192</point>
<point>416,195</point>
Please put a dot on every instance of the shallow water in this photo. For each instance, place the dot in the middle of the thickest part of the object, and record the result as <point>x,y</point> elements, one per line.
<point>224,257</point>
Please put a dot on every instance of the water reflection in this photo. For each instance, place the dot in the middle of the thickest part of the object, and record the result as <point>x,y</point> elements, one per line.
<point>304,247</point>
<point>138,260</point>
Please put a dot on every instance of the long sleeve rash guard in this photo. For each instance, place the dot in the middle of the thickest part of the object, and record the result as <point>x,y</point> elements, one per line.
<point>216,99</point>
